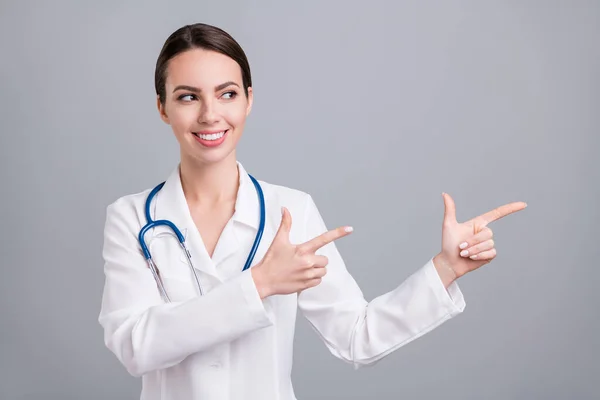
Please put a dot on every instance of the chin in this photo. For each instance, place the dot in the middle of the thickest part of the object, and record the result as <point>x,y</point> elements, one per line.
<point>210,156</point>
<point>193,150</point>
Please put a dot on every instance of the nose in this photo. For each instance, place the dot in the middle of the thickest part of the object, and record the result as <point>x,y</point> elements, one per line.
<point>208,113</point>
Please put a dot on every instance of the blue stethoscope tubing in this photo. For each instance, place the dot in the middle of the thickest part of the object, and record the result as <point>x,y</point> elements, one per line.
<point>150,223</point>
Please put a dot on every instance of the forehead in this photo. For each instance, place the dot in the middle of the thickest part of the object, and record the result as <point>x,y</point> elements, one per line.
<point>202,68</point>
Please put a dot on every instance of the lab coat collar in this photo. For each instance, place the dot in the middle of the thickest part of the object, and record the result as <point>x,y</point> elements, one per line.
<point>247,205</point>
<point>170,204</point>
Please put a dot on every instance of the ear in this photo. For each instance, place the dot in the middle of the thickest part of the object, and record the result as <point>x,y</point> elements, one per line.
<point>250,100</point>
<point>162,111</point>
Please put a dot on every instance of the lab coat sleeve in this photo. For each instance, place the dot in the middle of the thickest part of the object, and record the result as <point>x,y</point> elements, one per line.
<point>147,334</point>
<point>361,332</point>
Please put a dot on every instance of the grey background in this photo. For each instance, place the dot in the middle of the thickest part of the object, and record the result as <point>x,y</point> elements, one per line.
<point>374,109</point>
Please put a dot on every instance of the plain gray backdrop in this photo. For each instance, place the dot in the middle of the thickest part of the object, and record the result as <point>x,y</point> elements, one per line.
<point>374,109</point>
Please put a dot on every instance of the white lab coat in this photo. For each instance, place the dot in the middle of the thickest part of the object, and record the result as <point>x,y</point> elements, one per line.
<point>229,344</point>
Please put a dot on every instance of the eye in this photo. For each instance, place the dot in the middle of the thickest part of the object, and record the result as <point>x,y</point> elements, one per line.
<point>184,97</point>
<point>229,95</point>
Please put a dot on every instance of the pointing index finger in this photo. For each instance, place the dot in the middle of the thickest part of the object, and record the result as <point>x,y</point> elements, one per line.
<point>501,212</point>
<point>316,243</point>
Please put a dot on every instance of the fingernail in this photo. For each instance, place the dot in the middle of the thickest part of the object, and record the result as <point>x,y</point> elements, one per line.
<point>463,245</point>
<point>464,253</point>
<point>348,229</point>
<point>282,210</point>
<point>474,256</point>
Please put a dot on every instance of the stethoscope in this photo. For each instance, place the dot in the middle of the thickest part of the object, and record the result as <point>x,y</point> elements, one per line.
<point>153,224</point>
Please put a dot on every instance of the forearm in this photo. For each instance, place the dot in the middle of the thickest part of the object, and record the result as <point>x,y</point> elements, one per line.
<point>165,334</point>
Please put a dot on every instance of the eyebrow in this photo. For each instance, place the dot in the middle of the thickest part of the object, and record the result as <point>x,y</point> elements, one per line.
<point>197,90</point>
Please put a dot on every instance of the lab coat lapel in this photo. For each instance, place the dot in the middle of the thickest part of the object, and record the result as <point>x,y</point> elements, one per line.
<point>246,209</point>
<point>171,205</point>
<point>247,213</point>
<point>227,245</point>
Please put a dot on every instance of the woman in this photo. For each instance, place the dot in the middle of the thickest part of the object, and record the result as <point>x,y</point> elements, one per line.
<point>231,336</point>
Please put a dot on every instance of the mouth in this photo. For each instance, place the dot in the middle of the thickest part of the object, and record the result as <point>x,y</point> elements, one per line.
<point>211,138</point>
<point>215,135</point>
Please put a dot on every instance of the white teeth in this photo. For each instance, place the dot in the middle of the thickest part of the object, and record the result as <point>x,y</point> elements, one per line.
<point>212,136</point>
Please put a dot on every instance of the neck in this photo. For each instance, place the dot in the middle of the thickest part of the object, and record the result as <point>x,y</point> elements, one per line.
<point>208,185</point>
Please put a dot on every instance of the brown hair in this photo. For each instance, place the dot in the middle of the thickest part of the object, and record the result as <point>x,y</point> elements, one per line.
<point>202,36</point>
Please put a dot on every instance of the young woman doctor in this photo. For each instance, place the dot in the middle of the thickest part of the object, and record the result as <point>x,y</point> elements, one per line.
<point>231,337</point>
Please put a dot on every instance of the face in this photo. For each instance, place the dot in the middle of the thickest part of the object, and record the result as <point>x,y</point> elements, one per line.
<point>205,105</point>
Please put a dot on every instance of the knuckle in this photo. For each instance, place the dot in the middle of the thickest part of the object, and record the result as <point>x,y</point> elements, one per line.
<point>307,261</point>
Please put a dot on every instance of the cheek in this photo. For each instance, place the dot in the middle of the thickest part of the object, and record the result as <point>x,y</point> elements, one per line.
<point>182,119</point>
<point>236,117</point>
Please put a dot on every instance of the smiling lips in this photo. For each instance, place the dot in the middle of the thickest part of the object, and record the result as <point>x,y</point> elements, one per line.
<point>211,138</point>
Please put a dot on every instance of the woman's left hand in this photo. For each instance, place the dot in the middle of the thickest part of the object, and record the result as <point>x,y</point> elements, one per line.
<point>469,245</point>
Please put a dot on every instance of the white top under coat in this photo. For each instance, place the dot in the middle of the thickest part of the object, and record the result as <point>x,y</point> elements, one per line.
<point>229,344</point>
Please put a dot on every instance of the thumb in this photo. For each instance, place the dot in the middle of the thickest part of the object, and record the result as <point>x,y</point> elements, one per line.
<point>449,209</point>
<point>286,225</point>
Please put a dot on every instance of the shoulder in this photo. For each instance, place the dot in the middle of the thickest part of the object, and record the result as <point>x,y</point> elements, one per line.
<point>300,203</point>
<point>130,201</point>
<point>286,195</point>
<point>128,209</point>
<point>294,199</point>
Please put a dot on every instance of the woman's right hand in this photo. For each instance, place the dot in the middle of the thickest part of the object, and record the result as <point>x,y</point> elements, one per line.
<point>288,268</point>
